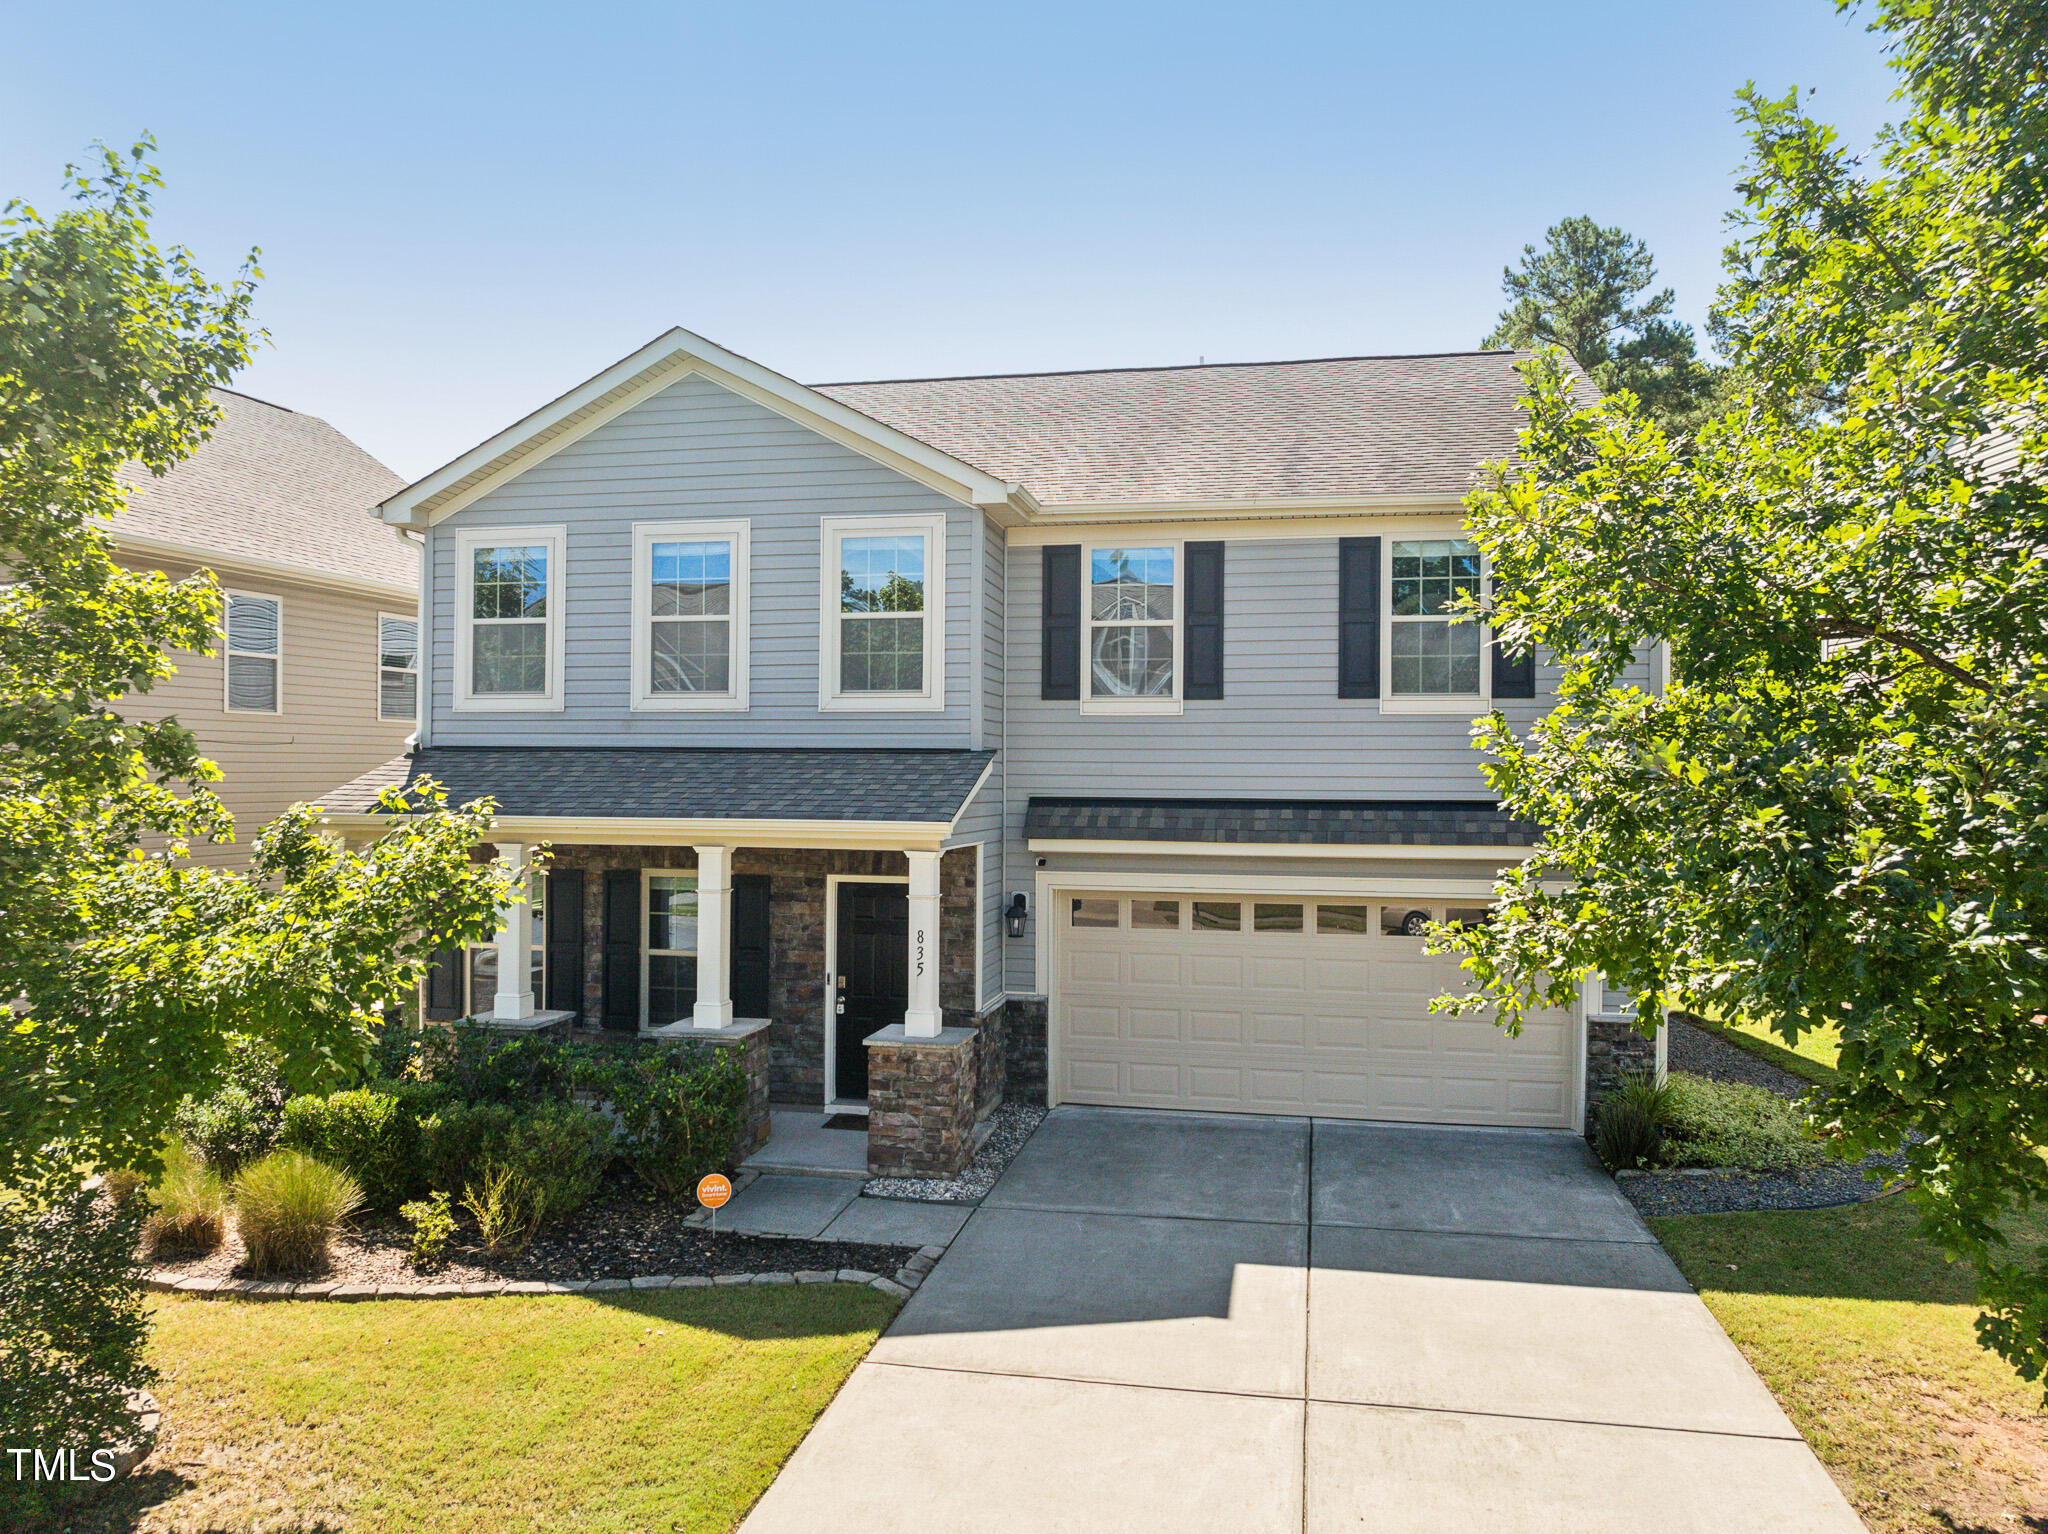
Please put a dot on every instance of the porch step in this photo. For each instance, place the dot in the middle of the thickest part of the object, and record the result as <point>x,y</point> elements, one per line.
<point>799,1143</point>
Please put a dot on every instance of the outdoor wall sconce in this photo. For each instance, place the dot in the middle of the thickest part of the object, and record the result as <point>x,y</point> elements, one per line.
<point>1014,917</point>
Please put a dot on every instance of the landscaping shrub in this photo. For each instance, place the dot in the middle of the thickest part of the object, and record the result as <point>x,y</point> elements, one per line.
<point>229,1128</point>
<point>456,1138</point>
<point>188,1208</point>
<point>681,1112</point>
<point>287,1208</point>
<point>1733,1124</point>
<point>561,1149</point>
<point>1629,1126</point>
<point>506,1205</point>
<point>432,1225</point>
<point>72,1326</point>
<point>365,1134</point>
<point>122,1183</point>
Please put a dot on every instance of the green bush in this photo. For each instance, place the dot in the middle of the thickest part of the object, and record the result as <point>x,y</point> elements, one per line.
<point>562,1149</point>
<point>188,1207</point>
<point>365,1133</point>
<point>287,1208</point>
<point>681,1112</point>
<point>1732,1124</point>
<point>432,1225</point>
<point>229,1128</point>
<point>1628,1127</point>
<point>455,1139</point>
<point>73,1325</point>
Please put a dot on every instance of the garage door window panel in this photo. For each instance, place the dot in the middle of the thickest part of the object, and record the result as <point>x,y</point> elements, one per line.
<point>1276,918</point>
<point>1218,915</point>
<point>1343,920</point>
<point>1094,913</point>
<point>1157,915</point>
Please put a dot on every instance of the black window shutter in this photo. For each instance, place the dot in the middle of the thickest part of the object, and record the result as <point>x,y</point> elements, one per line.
<point>444,985</point>
<point>1514,676</point>
<point>1060,622</point>
<point>1358,617</point>
<point>622,949</point>
<point>1203,623</point>
<point>565,940</point>
<point>750,945</point>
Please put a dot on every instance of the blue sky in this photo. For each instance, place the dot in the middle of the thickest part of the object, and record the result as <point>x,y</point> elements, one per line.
<point>465,210</point>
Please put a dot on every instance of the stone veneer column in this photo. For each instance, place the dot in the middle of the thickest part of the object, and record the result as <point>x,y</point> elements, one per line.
<point>921,1093</point>
<point>750,1037</point>
<point>1614,1052</point>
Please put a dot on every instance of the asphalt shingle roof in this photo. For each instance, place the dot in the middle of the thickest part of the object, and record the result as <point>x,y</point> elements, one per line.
<point>685,782</point>
<point>1336,822</point>
<point>276,486</point>
<point>1339,426</point>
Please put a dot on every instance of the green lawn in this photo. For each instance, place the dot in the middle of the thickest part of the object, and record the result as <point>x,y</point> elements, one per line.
<point>1864,1334</point>
<point>650,1412</point>
<point>1812,1059</point>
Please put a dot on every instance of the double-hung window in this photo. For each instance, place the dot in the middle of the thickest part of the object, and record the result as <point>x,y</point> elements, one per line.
<point>1132,644</point>
<point>398,667</point>
<point>669,959</point>
<point>690,615</point>
<point>1433,662</point>
<point>509,632</point>
<point>254,657</point>
<point>882,624</point>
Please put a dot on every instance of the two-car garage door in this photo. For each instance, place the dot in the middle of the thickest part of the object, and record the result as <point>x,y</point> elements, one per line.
<point>1265,1004</point>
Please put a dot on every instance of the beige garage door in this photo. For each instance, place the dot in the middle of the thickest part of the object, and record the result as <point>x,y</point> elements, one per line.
<point>1265,1004</point>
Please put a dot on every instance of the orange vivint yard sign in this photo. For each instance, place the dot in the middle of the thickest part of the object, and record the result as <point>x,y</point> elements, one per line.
<point>714,1191</point>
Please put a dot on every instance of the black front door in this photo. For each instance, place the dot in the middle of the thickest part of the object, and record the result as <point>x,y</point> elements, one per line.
<point>873,984</point>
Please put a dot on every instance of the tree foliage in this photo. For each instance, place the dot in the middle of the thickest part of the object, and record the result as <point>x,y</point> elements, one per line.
<point>130,968</point>
<point>1585,292</point>
<point>1837,812</point>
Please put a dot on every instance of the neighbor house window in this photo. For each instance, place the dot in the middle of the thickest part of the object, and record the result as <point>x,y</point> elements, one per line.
<point>398,667</point>
<point>254,654</point>
<point>690,615</point>
<point>883,614</point>
<point>669,960</point>
<point>1133,629</point>
<point>509,639</point>
<point>1430,658</point>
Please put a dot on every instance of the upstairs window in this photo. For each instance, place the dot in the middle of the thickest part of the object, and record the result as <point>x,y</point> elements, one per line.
<point>1133,618</point>
<point>1430,658</point>
<point>254,655</point>
<point>883,600</point>
<point>509,633</point>
<point>690,615</point>
<point>398,667</point>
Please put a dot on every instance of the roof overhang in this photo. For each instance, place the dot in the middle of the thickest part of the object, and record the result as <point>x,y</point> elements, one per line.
<point>216,560</point>
<point>1269,851</point>
<point>847,835</point>
<point>668,358</point>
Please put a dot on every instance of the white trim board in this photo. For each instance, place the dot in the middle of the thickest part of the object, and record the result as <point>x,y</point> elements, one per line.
<point>817,835</point>
<point>1270,850</point>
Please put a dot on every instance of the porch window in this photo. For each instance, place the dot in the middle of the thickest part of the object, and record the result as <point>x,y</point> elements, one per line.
<point>883,613</point>
<point>481,966</point>
<point>690,615</point>
<point>1133,626</point>
<point>509,629</point>
<point>669,960</point>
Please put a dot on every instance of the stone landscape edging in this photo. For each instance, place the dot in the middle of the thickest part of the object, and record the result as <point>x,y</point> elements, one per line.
<point>906,1279</point>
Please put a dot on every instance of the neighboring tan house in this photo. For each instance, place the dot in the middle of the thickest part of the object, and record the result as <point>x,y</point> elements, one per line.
<point>315,676</point>
<point>1091,737</point>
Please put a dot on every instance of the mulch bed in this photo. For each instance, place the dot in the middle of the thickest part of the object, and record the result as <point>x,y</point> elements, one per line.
<point>619,1234</point>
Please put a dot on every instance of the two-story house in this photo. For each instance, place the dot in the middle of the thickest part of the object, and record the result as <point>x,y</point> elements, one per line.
<point>314,677</point>
<point>1095,737</point>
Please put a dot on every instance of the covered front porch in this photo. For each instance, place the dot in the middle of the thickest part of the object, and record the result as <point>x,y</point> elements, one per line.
<point>842,956</point>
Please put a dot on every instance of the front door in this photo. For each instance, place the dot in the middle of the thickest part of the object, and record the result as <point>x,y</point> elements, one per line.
<point>872,986</point>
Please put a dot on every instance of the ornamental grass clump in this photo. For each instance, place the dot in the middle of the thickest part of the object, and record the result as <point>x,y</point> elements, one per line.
<point>188,1205</point>
<point>288,1207</point>
<point>1629,1127</point>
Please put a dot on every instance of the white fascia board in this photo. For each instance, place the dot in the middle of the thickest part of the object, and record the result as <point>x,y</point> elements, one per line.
<point>1318,520</point>
<point>888,836</point>
<point>1068,881</point>
<point>220,563</point>
<point>1271,850</point>
<point>657,365</point>
<point>1246,506</point>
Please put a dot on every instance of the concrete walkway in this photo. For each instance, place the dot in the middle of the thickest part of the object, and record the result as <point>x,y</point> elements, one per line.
<point>1205,1322</point>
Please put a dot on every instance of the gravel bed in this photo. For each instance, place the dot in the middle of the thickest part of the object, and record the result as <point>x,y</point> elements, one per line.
<point>1819,1186</point>
<point>1013,1123</point>
<point>1699,1053</point>
<point>616,1235</point>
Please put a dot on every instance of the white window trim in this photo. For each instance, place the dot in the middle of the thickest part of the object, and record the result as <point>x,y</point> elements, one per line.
<point>556,538</point>
<point>932,699</point>
<point>381,668</point>
<point>1090,704</point>
<point>645,536</point>
<point>227,649</point>
<point>647,878</point>
<point>1468,704</point>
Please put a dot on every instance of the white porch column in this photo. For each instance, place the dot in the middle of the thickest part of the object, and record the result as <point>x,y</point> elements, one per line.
<point>714,938</point>
<point>515,943</point>
<point>922,1019</point>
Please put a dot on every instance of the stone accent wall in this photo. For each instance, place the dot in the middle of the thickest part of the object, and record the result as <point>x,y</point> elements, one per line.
<point>751,1041</point>
<point>1614,1052</point>
<point>796,940</point>
<point>1025,1051</point>
<point>921,1097</point>
<point>991,1059</point>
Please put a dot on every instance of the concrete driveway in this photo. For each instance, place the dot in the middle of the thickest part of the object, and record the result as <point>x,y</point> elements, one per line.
<point>1207,1322</point>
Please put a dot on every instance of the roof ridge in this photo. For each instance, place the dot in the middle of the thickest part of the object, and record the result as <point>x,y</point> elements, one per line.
<point>1174,367</point>
<point>252,399</point>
